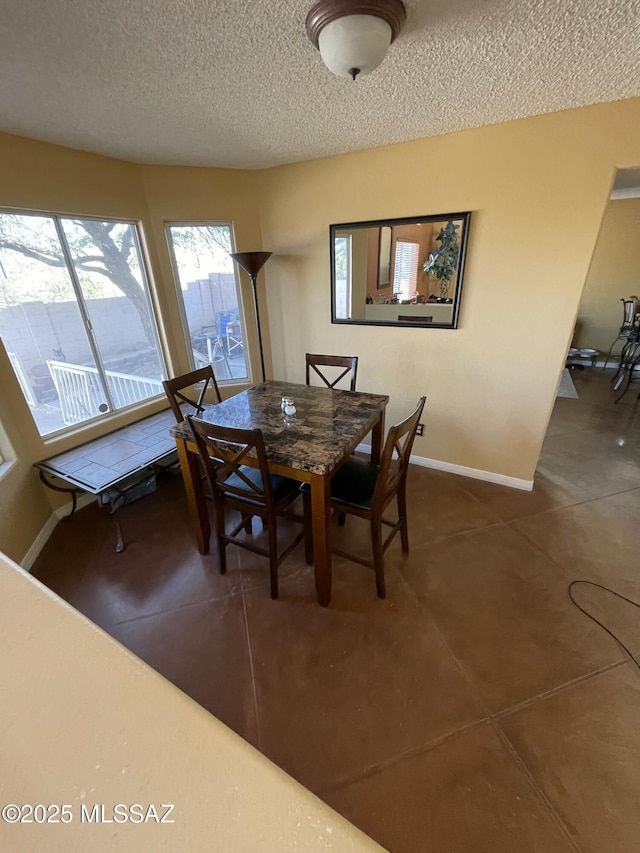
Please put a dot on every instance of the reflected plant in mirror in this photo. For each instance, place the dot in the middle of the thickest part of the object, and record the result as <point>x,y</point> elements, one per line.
<point>444,261</point>
<point>399,272</point>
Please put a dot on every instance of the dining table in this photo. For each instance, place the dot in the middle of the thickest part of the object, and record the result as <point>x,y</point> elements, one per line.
<point>308,445</point>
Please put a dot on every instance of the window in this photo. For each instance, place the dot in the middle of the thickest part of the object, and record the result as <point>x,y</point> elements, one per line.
<point>210,299</point>
<point>342,266</point>
<point>76,317</point>
<point>405,270</point>
<point>7,457</point>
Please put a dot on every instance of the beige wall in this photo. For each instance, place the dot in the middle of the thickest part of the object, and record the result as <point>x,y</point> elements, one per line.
<point>537,189</point>
<point>614,275</point>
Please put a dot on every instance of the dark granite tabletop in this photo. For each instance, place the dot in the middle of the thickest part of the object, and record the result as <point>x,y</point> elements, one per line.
<point>326,424</point>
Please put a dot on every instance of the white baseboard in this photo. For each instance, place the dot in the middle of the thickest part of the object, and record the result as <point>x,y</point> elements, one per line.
<point>82,501</point>
<point>39,542</point>
<point>474,473</point>
<point>41,539</point>
<point>463,471</point>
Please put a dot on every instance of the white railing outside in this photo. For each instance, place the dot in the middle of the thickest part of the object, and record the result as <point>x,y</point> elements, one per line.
<point>76,391</point>
<point>126,388</point>
<point>215,357</point>
<point>80,395</point>
<point>200,360</point>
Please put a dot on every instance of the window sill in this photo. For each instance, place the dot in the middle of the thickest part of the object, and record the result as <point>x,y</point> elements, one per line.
<point>5,467</point>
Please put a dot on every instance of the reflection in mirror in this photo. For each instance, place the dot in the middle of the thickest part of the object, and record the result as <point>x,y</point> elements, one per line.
<point>405,272</point>
<point>384,261</point>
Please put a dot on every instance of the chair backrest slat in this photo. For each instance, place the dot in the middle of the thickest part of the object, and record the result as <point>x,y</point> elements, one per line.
<point>224,452</point>
<point>348,362</point>
<point>395,458</point>
<point>177,400</point>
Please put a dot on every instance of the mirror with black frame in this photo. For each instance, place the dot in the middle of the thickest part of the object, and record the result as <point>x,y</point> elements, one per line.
<point>399,272</point>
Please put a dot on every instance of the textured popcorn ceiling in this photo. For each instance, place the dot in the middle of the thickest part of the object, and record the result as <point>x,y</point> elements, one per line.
<point>236,82</point>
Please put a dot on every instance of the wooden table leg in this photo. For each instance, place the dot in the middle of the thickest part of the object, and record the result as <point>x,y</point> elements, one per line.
<point>320,492</point>
<point>190,467</point>
<point>377,437</point>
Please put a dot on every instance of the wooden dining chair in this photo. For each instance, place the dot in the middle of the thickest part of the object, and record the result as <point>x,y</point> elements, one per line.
<point>348,362</point>
<point>365,489</point>
<point>254,491</point>
<point>173,388</point>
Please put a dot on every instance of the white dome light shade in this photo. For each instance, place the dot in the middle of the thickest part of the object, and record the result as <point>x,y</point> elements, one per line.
<point>355,44</point>
<point>353,36</point>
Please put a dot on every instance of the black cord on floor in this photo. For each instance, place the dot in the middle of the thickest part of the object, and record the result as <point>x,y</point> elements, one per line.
<point>597,621</point>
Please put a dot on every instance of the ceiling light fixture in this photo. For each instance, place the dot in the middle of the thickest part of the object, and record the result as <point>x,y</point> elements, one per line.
<point>353,37</point>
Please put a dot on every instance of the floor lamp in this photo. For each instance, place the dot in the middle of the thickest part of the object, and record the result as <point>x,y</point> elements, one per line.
<point>252,263</point>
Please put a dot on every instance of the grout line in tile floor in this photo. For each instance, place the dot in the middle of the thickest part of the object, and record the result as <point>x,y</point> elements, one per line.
<point>515,757</point>
<point>542,796</point>
<point>592,497</point>
<point>554,691</point>
<point>491,718</point>
<point>372,769</point>
<point>252,671</point>
<point>468,677</point>
<point>537,512</point>
<point>162,611</point>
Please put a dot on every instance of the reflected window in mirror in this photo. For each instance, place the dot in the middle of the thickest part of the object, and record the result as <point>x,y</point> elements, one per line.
<point>342,266</point>
<point>405,269</point>
<point>405,272</point>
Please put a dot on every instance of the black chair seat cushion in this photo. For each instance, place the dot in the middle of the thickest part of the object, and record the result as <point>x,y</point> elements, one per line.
<point>282,487</point>
<point>353,484</point>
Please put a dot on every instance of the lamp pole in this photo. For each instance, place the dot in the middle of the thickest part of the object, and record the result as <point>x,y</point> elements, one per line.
<point>255,299</point>
<point>252,263</point>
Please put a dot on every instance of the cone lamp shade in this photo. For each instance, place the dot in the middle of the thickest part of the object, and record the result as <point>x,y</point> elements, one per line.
<point>252,263</point>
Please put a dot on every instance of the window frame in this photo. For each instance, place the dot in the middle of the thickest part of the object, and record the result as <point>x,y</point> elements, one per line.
<point>151,296</point>
<point>186,333</point>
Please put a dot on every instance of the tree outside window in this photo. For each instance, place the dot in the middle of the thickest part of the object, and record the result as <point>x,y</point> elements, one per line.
<point>76,317</point>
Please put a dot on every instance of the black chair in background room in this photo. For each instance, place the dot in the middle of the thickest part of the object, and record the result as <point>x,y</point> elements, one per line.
<point>630,324</point>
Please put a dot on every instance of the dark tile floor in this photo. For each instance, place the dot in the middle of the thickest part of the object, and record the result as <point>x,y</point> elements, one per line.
<point>475,709</point>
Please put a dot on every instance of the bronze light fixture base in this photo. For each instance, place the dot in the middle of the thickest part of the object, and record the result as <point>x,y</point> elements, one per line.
<point>325,11</point>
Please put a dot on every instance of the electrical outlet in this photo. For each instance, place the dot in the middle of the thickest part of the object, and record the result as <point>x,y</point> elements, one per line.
<point>420,429</point>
